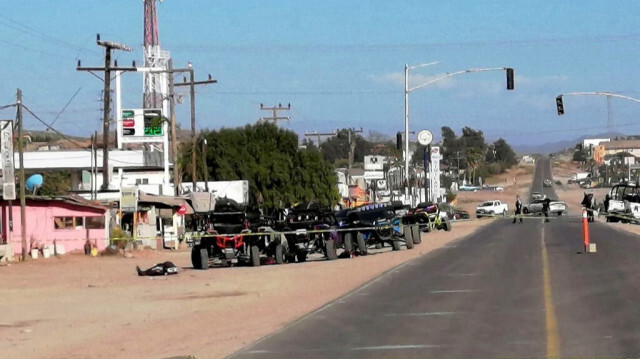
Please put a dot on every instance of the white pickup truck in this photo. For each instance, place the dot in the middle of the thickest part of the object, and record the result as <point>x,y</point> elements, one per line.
<point>492,208</point>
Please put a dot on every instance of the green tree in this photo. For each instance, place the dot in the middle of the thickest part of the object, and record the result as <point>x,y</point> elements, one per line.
<point>55,183</point>
<point>269,158</point>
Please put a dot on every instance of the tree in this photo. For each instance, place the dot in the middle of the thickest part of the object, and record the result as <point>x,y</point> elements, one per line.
<point>269,158</point>
<point>55,183</point>
<point>337,147</point>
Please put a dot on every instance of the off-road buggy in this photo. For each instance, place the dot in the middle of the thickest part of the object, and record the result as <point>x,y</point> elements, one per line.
<point>235,237</point>
<point>311,228</point>
<point>374,225</point>
<point>430,217</point>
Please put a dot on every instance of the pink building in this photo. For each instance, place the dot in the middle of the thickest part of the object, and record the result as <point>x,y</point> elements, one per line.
<point>67,220</point>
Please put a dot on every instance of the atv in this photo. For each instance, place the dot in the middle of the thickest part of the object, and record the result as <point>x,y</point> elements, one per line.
<point>430,217</point>
<point>376,225</point>
<point>232,239</point>
<point>310,229</point>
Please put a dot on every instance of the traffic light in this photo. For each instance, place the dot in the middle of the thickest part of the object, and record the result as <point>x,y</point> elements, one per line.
<point>510,84</point>
<point>399,141</point>
<point>560,105</point>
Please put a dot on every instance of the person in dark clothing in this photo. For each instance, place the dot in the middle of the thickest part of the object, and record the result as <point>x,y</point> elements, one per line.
<point>607,198</point>
<point>545,208</point>
<point>518,210</point>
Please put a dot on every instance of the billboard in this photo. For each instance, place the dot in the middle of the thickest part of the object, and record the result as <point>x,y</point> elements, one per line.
<point>8,179</point>
<point>142,125</point>
<point>128,199</point>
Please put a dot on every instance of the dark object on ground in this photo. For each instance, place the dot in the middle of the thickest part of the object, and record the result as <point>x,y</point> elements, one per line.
<point>165,268</point>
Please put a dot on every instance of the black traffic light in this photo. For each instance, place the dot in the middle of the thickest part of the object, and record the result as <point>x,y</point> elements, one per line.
<point>510,84</point>
<point>399,141</point>
<point>560,105</point>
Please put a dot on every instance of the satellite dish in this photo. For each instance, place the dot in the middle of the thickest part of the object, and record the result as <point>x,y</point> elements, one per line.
<point>33,182</point>
<point>425,137</point>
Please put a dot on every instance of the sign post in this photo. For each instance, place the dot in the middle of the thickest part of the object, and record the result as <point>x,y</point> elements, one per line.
<point>8,179</point>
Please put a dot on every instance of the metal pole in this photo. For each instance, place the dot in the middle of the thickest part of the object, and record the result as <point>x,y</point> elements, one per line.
<point>406,130</point>
<point>192,94</point>
<point>174,137</point>
<point>204,165</point>
<point>23,200</point>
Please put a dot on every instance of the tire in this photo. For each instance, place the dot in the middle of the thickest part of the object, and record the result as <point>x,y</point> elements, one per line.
<point>348,242</point>
<point>199,257</point>
<point>378,245</point>
<point>408,236</point>
<point>279,254</point>
<point>525,210</point>
<point>301,256</point>
<point>254,256</point>
<point>362,246</point>
<point>395,245</point>
<point>559,214</point>
<point>417,235</point>
<point>330,250</point>
<point>447,225</point>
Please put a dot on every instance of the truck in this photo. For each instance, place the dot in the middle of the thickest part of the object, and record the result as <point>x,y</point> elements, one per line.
<point>579,176</point>
<point>491,209</point>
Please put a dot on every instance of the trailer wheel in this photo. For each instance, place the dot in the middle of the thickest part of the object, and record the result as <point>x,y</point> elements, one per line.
<point>330,250</point>
<point>254,256</point>
<point>447,225</point>
<point>395,244</point>
<point>279,253</point>
<point>417,236</point>
<point>348,242</point>
<point>362,246</point>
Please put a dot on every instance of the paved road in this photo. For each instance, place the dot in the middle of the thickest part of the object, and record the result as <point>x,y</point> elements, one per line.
<point>509,290</point>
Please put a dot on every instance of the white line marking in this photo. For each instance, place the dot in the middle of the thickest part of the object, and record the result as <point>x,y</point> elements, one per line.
<point>454,291</point>
<point>464,274</point>
<point>396,347</point>
<point>422,314</point>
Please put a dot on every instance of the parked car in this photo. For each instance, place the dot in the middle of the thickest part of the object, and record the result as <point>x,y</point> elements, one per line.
<point>537,195</point>
<point>314,232</point>
<point>492,208</point>
<point>535,207</point>
<point>547,183</point>
<point>454,213</point>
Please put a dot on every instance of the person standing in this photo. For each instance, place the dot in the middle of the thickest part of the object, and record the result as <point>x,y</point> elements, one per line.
<point>546,204</point>
<point>518,209</point>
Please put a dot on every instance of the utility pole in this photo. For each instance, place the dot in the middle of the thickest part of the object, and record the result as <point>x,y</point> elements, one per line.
<point>352,144</point>
<point>109,46</point>
<point>275,118</point>
<point>23,200</point>
<point>318,134</point>
<point>192,96</point>
<point>204,164</point>
<point>174,135</point>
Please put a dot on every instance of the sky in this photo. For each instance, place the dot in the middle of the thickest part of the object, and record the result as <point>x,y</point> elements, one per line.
<point>340,64</point>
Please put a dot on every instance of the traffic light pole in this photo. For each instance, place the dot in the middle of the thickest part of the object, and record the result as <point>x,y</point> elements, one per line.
<point>560,103</point>
<point>510,86</point>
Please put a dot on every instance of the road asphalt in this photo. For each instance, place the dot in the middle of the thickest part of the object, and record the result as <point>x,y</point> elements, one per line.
<point>508,290</point>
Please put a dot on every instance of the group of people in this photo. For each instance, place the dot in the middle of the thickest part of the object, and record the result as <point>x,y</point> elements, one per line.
<point>518,209</point>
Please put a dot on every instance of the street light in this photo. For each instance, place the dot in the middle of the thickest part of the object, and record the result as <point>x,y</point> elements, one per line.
<point>510,86</point>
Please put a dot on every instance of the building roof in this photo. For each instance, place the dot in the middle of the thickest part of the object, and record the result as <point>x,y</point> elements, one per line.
<point>168,201</point>
<point>69,199</point>
<point>622,145</point>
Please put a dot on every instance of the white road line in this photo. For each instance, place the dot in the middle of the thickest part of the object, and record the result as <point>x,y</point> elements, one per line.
<point>464,274</point>
<point>419,314</point>
<point>454,291</point>
<point>396,347</point>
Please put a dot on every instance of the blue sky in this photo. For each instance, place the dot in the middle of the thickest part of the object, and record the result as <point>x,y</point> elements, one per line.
<point>340,63</point>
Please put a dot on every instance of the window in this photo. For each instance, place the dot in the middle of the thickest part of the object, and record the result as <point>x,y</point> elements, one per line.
<point>95,222</point>
<point>64,222</point>
<point>142,181</point>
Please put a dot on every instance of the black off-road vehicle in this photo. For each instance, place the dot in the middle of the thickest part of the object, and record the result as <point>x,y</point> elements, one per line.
<point>311,228</point>
<point>235,237</point>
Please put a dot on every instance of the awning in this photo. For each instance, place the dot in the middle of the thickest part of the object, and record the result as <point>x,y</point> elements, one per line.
<point>169,201</point>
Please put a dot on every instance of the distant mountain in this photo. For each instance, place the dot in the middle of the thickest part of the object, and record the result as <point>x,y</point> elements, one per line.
<point>551,147</point>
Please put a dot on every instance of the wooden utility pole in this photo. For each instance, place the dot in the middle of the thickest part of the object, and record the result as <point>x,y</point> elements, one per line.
<point>192,96</point>
<point>109,46</point>
<point>318,134</point>
<point>23,200</point>
<point>274,110</point>
<point>174,135</point>
<point>205,169</point>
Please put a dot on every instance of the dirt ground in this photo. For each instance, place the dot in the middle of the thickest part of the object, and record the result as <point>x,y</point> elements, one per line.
<point>82,307</point>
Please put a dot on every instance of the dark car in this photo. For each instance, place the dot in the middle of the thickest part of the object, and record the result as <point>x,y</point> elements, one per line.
<point>314,227</point>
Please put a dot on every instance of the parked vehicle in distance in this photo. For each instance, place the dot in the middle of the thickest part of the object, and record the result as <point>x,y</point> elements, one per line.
<point>492,208</point>
<point>535,207</point>
<point>453,212</point>
<point>537,195</point>
<point>314,227</point>
<point>430,216</point>
<point>547,183</point>
<point>579,176</point>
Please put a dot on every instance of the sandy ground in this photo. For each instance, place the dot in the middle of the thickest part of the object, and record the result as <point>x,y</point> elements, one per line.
<point>81,307</point>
